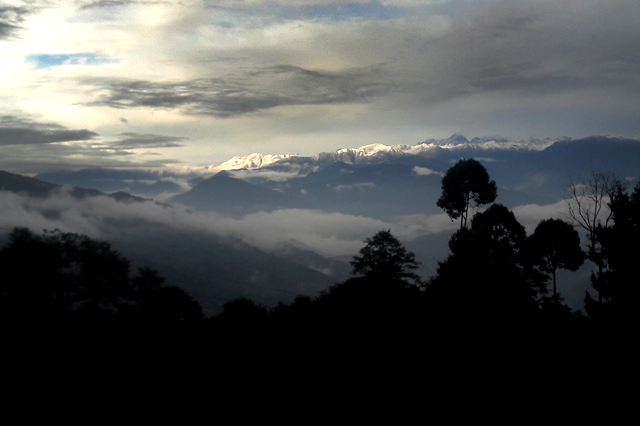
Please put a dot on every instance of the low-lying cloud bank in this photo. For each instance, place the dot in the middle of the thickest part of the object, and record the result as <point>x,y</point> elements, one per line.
<point>329,234</point>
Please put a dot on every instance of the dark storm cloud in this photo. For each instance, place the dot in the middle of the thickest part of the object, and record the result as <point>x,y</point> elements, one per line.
<point>23,131</point>
<point>532,47</point>
<point>247,91</point>
<point>132,140</point>
<point>34,159</point>
<point>29,145</point>
<point>11,19</point>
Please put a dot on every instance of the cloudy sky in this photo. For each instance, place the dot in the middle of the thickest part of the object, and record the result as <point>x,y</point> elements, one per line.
<point>142,83</point>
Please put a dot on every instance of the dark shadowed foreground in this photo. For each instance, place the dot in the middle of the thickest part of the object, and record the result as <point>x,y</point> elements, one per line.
<point>484,334</point>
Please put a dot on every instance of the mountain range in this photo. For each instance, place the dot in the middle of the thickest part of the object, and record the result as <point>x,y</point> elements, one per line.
<point>385,181</point>
<point>337,180</point>
<point>271,227</point>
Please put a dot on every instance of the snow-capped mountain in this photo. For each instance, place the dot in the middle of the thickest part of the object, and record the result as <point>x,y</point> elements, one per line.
<point>458,141</point>
<point>376,153</point>
<point>252,161</point>
<point>364,154</point>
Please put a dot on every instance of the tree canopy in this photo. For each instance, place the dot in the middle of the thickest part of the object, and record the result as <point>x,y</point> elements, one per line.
<point>482,277</point>
<point>385,258</point>
<point>616,279</point>
<point>555,244</point>
<point>466,184</point>
<point>67,275</point>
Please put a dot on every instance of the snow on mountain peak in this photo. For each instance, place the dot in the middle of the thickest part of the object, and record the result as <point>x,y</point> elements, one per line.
<point>375,148</point>
<point>379,152</point>
<point>457,141</point>
<point>360,155</point>
<point>252,161</point>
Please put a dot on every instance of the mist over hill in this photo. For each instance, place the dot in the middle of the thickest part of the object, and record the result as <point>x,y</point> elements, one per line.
<point>205,254</point>
<point>270,227</point>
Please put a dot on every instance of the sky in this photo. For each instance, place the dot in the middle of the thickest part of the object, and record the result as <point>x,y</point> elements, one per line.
<point>188,83</point>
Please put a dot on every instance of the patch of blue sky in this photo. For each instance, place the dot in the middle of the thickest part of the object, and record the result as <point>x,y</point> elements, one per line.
<point>46,61</point>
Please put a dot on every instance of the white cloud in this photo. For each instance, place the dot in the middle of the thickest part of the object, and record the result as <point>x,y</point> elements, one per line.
<point>531,214</point>
<point>423,171</point>
<point>329,234</point>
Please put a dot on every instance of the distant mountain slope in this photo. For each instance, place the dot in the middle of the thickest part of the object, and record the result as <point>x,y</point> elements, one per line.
<point>22,184</point>
<point>36,188</point>
<point>381,190</point>
<point>225,194</point>
<point>140,182</point>
<point>215,270</point>
<point>619,155</point>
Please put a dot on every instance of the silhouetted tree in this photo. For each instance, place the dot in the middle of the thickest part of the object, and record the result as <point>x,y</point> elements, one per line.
<point>617,281</point>
<point>242,322</point>
<point>466,184</point>
<point>61,275</point>
<point>617,312</point>
<point>244,310</point>
<point>63,271</point>
<point>155,303</point>
<point>483,275</point>
<point>385,258</point>
<point>503,235</point>
<point>555,244</point>
<point>589,209</point>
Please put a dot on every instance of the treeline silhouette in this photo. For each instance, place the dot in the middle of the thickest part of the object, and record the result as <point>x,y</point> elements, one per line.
<point>486,328</point>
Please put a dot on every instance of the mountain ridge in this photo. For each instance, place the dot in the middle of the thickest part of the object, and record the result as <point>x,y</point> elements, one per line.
<point>381,152</point>
<point>34,187</point>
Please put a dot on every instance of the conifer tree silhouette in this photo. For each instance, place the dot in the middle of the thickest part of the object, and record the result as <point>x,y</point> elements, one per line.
<point>385,258</point>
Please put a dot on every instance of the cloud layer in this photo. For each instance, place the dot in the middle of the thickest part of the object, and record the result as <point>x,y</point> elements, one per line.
<point>305,76</point>
<point>11,19</point>
<point>28,145</point>
<point>329,234</point>
<point>246,91</point>
<point>20,131</point>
